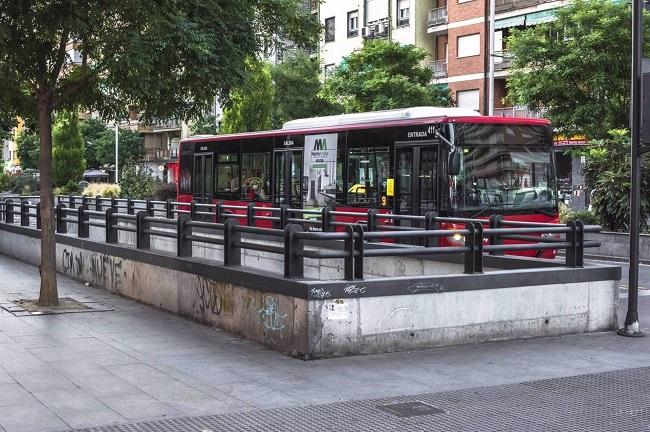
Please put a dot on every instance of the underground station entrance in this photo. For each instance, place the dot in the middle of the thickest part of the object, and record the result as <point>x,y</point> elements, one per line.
<point>308,285</point>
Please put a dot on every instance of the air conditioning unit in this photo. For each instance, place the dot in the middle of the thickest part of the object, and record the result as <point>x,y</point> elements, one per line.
<point>364,31</point>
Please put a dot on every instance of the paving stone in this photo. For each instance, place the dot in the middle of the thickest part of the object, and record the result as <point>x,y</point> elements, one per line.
<point>30,417</point>
<point>136,405</point>
<point>78,408</point>
<point>37,381</point>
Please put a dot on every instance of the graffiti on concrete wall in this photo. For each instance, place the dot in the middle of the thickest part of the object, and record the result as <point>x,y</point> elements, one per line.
<point>104,269</point>
<point>211,296</point>
<point>270,316</point>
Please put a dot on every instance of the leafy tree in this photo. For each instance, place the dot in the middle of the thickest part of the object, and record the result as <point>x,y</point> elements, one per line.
<point>68,150</point>
<point>91,130</point>
<point>251,104</point>
<point>297,87</point>
<point>611,181</point>
<point>577,67</point>
<point>28,149</point>
<point>206,125</point>
<point>384,75</point>
<point>131,147</point>
<point>167,57</point>
<point>137,182</point>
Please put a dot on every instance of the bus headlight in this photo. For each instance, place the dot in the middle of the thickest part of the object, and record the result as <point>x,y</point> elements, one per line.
<point>456,239</point>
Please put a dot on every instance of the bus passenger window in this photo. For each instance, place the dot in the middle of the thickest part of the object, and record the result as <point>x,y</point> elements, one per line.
<point>255,179</point>
<point>368,169</point>
<point>228,175</point>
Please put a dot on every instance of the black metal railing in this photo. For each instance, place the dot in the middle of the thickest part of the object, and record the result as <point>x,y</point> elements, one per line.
<point>331,234</point>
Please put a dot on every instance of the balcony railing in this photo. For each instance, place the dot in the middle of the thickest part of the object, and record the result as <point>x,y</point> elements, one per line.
<point>439,68</point>
<point>517,111</point>
<point>502,60</point>
<point>508,5</point>
<point>437,16</point>
<point>156,155</point>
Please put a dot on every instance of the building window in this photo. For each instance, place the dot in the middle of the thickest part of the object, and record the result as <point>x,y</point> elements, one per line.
<point>329,70</point>
<point>468,99</point>
<point>469,45</point>
<point>329,29</point>
<point>403,12</point>
<point>353,23</point>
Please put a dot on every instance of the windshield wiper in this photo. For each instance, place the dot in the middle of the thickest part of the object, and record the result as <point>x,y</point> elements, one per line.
<point>545,212</point>
<point>480,212</point>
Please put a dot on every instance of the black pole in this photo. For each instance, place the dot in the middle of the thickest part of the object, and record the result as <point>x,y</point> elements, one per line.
<point>631,327</point>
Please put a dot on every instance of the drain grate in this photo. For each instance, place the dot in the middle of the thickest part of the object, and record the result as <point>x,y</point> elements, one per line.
<point>605,402</point>
<point>410,409</point>
<point>67,305</point>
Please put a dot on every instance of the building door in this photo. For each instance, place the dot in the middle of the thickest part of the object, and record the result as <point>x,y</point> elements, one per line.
<point>203,176</point>
<point>287,183</point>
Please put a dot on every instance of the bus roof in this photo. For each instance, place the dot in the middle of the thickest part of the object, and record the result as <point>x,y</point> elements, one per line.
<point>377,117</point>
<point>468,117</point>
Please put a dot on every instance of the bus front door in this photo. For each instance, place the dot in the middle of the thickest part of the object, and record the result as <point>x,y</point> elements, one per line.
<point>203,177</point>
<point>287,183</point>
<point>415,177</point>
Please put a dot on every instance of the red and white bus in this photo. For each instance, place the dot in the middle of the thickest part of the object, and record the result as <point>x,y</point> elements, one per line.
<point>407,161</point>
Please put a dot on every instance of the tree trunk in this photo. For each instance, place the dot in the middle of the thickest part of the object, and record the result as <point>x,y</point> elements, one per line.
<point>49,295</point>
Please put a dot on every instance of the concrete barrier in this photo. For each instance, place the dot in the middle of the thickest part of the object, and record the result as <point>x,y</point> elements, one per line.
<point>617,245</point>
<point>410,303</point>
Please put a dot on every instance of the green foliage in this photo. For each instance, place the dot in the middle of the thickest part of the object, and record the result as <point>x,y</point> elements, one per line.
<point>6,182</point>
<point>251,104</point>
<point>68,150</point>
<point>205,126</point>
<point>297,87</point>
<point>586,216</point>
<point>131,147</point>
<point>71,188</point>
<point>91,130</point>
<point>607,170</point>
<point>104,190</point>
<point>164,191</point>
<point>137,182</point>
<point>384,75</point>
<point>28,149</point>
<point>577,67</point>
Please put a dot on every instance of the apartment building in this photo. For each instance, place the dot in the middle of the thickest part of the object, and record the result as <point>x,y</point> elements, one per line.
<point>455,34</point>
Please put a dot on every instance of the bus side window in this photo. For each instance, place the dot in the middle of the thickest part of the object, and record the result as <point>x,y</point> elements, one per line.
<point>228,176</point>
<point>255,179</point>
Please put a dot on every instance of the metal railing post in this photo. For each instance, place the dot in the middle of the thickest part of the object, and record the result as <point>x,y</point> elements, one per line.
<point>148,205</point>
<point>71,201</point>
<point>293,262</point>
<point>98,203</point>
<point>357,243</point>
<point>114,205</point>
<point>193,210</point>
<point>24,213</point>
<point>284,215</point>
<point>218,212</point>
<point>371,216</point>
<point>231,252</point>
<point>111,230</point>
<point>169,209</point>
<point>470,244</point>
<point>129,206</point>
<point>183,244</point>
<point>83,229</point>
<point>431,224</point>
<point>580,242</point>
<point>9,216</point>
<point>250,214</point>
<point>143,239</point>
<point>84,200</point>
<point>478,247</point>
<point>495,239</point>
<point>61,224</point>
<point>348,247</point>
<point>571,251</point>
<point>38,215</point>
<point>326,219</point>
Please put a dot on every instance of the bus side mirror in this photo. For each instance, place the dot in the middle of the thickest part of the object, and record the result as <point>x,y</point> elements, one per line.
<point>454,163</point>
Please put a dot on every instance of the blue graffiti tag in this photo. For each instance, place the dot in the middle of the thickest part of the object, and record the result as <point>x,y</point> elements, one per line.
<point>270,315</point>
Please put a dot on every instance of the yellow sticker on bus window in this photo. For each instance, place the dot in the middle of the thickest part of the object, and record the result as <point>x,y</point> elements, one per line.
<point>390,187</point>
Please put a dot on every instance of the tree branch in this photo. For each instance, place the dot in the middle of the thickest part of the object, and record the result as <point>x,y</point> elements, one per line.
<point>56,71</point>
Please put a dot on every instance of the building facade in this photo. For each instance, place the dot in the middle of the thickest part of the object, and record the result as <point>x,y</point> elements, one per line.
<point>454,33</point>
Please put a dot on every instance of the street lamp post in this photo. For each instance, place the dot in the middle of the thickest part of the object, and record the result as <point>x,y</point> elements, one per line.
<point>117,148</point>
<point>631,327</point>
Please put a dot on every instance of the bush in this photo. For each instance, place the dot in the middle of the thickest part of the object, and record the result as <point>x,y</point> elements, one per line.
<point>72,188</point>
<point>164,191</point>
<point>137,182</point>
<point>104,190</point>
<point>6,182</point>
<point>68,162</point>
<point>587,217</point>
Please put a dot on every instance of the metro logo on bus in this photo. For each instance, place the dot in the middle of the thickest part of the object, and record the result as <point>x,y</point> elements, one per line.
<point>320,144</point>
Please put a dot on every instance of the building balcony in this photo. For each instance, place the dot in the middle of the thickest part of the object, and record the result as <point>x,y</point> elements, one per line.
<point>502,60</point>
<point>437,16</point>
<point>439,68</point>
<point>517,111</point>
<point>509,5</point>
<point>161,126</point>
<point>156,155</point>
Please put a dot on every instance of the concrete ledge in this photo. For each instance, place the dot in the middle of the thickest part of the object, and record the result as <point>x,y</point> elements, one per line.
<point>310,318</point>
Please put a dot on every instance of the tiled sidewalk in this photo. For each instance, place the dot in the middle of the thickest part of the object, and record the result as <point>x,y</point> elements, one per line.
<point>137,363</point>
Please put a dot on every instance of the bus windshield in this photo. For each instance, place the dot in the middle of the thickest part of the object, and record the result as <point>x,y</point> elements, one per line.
<point>503,177</point>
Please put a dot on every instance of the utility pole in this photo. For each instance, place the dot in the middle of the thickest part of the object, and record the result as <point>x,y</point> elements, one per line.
<point>631,328</point>
<point>117,151</point>
<point>491,60</point>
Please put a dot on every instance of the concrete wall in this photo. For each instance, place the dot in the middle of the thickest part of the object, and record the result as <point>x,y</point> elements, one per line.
<point>614,244</point>
<point>315,318</point>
